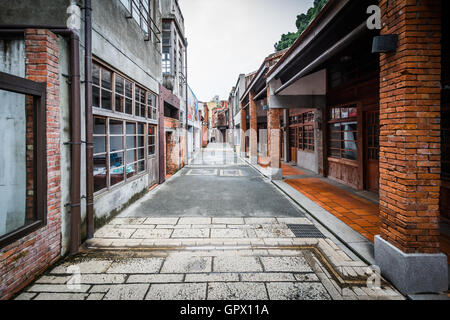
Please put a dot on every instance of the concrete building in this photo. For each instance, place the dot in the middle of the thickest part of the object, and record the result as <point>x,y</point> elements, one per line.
<point>88,100</point>
<point>367,108</point>
<point>174,118</point>
<point>235,112</point>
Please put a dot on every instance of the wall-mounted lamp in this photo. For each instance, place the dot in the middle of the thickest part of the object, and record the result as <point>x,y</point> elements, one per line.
<point>385,43</point>
<point>265,107</point>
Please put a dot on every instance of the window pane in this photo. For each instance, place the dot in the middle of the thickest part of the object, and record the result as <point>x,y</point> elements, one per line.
<point>131,128</point>
<point>117,176</point>
<point>151,150</point>
<point>115,144</point>
<point>141,166</point>
<point>115,127</point>
<point>106,79</point>
<point>99,144</point>
<point>116,160</point>
<point>131,170</point>
<point>141,154</point>
<point>140,128</point>
<point>119,85</point>
<point>120,103</point>
<point>16,123</point>
<point>95,74</point>
<point>131,156</point>
<point>131,142</point>
<point>140,141</point>
<point>99,126</point>
<point>128,106</point>
<point>100,172</point>
<point>106,99</point>
<point>95,96</point>
<point>128,89</point>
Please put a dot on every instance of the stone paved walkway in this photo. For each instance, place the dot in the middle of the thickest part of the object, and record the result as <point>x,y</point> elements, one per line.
<point>230,255</point>
<point>208,258</point>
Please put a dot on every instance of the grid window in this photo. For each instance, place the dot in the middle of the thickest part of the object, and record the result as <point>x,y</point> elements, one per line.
<point>140,103</point>
<point>101,87</point>
<point>119,151</point>
<point>151,140</point>
<point>302,131</point>
<point>152,106</point>
<point>343,132</point>
<point>124,95</point>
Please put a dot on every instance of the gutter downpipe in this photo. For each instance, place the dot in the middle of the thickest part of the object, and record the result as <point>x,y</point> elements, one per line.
<point>75,113</point>
<point>89,122</point>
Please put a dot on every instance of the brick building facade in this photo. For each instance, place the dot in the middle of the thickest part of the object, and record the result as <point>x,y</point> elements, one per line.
<point>22,260</point>
<point>369,118</point>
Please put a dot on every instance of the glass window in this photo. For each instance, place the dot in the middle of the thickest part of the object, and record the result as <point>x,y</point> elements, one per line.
<point>151,140</point>
<point>101,87</point>
<point>343,133</point>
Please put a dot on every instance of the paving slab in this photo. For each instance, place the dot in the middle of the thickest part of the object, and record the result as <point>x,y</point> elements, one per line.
<point>195,220</point>
<point>267,277</point>
<point>182,291</point>
<point>152,233</point>
<point>285,264</point>
<point>297,291</point>
<point>127,292</point>
<point>228,233</point>
<point>237,291</point>
<point>159,220</point>
<point>86,266</point>
<point>136,265</point>
<point>61,296</point>
<point>212,277</point>
<point>182,264</point>
<point>190,233</point>
<point>237,264</point>
<point>155,278</point>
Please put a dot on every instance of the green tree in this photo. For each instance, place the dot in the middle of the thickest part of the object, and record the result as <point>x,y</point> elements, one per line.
<point>303,20</point>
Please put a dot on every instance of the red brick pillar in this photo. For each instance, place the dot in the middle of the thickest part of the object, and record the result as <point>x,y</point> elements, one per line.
<point>274,137</point>
<point>243,130</point>
<point>253,130</point>
<point>23,260</point>
<point>410,126</point>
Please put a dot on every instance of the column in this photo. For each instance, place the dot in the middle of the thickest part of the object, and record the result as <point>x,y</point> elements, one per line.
<point>243,130</point>
<point>253,130</point>
<point>407,251</point>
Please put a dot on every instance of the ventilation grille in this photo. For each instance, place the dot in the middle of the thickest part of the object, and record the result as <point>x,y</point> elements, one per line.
<point>305,231</point>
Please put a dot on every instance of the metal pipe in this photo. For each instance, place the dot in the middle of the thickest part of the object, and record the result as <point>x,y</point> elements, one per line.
<point>89,121</point>
<point>75,144</point>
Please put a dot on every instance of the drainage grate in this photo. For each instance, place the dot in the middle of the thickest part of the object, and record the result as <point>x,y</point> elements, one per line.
<point>305,231</point>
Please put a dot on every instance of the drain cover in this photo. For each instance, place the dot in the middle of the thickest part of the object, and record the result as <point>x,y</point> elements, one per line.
<point>305,231</point>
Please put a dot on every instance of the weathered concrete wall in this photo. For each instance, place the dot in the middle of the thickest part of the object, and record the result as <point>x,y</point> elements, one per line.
<point>109,204</point>
<point>35,12</point>
<point>120,42</point>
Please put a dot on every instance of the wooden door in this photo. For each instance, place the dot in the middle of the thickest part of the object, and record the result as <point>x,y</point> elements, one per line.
<point>293,134</point>
<point>372,150</point>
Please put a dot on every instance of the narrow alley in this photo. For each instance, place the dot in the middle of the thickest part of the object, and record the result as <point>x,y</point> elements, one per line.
<point>192,150</point>
<point>216,230</point>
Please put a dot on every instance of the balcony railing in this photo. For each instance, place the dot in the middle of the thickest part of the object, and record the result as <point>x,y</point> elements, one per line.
<point>144,17</point>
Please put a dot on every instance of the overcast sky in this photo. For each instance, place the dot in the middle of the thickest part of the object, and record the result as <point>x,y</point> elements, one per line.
<point>229,37</point>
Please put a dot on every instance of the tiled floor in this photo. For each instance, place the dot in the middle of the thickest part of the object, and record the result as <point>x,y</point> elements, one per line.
<point>239,259</point>
<point>360,214</point>
<point>290,171</point>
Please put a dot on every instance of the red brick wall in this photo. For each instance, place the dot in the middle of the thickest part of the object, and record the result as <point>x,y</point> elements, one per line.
<point>23,260</point>
<point>410,126</point>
